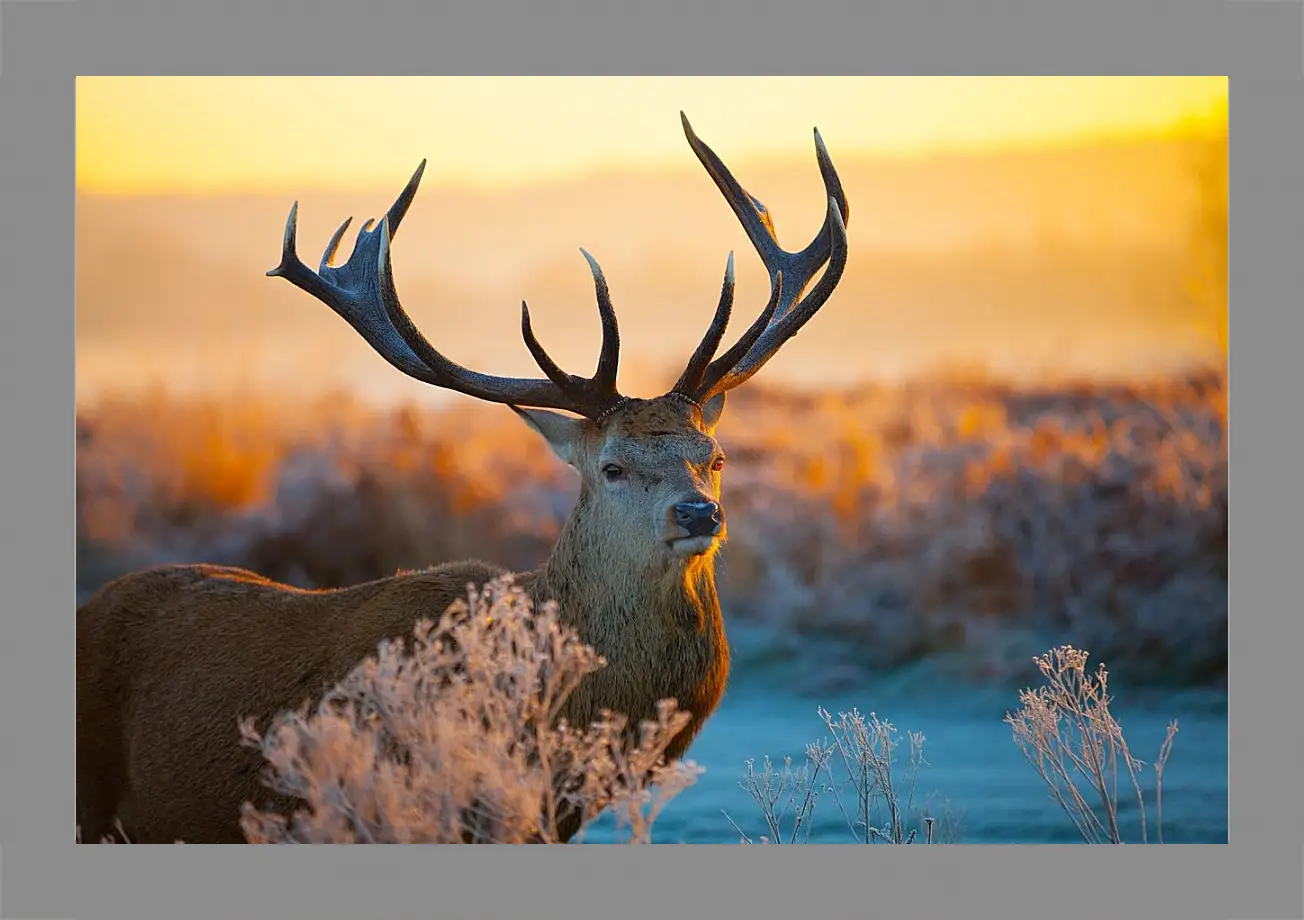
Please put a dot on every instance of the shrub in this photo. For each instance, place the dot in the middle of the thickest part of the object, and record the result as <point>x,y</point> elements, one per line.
<point>1067,733</point>
<point>458,740</point>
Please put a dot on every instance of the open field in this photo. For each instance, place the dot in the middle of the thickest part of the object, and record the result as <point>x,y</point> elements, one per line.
<point>880,526</point>
<point>913,556</point>
<point>1007,432</point>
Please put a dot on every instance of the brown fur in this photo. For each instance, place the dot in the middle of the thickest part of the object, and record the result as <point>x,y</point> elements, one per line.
<point>168,659</point>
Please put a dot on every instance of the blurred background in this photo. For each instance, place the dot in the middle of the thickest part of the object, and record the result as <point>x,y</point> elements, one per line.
<point>1005,431</point>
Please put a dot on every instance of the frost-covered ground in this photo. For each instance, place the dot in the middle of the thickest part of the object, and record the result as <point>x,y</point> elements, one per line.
<point>976,777</point>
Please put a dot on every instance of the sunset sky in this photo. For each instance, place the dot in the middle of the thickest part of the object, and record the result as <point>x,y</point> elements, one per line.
<point>146,135</point>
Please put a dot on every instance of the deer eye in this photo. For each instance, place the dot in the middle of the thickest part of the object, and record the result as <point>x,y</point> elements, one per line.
<point>717,464</point>
<point>612,472</point>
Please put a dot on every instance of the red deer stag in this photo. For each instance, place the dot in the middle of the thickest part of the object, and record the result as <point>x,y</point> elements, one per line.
<point>169,658</point>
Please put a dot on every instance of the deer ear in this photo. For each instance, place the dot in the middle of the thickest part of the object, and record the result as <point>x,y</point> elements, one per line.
<point>560,431</point>
<point>712,409</point>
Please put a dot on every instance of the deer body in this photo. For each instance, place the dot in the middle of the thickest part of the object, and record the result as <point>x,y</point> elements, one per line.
<point>143,765</point>
<point>196,647</point>
<point>169,659</point>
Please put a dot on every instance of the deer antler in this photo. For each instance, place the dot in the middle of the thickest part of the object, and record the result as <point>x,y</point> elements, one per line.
<point>790,273</point>
<point>362,292</point>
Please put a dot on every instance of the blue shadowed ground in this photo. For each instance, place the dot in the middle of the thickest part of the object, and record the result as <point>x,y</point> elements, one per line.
<point>973,763</point>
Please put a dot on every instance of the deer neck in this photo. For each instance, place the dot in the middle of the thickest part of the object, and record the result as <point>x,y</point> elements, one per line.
<point>607,597</point>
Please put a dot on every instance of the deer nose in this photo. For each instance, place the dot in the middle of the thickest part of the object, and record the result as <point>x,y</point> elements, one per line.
<point>699,518</point>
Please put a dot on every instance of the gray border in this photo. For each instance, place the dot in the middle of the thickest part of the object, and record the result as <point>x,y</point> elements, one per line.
<point>1258,875</point>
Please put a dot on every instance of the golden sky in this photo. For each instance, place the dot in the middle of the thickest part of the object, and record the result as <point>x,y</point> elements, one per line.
<point>138,135</point>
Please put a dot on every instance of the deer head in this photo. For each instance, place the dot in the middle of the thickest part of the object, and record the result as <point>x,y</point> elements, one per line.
<point>649,468</point>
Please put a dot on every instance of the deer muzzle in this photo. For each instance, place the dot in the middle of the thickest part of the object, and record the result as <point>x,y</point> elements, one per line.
<point>700,518</point>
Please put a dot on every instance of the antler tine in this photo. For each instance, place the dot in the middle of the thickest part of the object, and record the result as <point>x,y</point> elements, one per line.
<point>598,391</point>
<point>720,370</point>
<point>609,356</point>
<point>796,269</point>
<point>691,379</point>
<point>322,285</point>
<point>587,397</point>
<point>779,329</point>
<point>549,367</point>
<point>362,292</point>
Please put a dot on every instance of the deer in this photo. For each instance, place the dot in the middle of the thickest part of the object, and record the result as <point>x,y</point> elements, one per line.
<point>169,658</point>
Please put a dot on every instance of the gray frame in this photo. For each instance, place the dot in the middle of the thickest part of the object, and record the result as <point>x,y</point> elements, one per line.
<point>1260,45</point>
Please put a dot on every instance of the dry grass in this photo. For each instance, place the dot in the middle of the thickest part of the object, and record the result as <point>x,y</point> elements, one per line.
<point>457,740</point>
<point>939,518</point>
<point>1065,730</point>
<point>1072,740</point>
<point>857,770</point>
<point>974,523</point>
<point>959,521</point>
